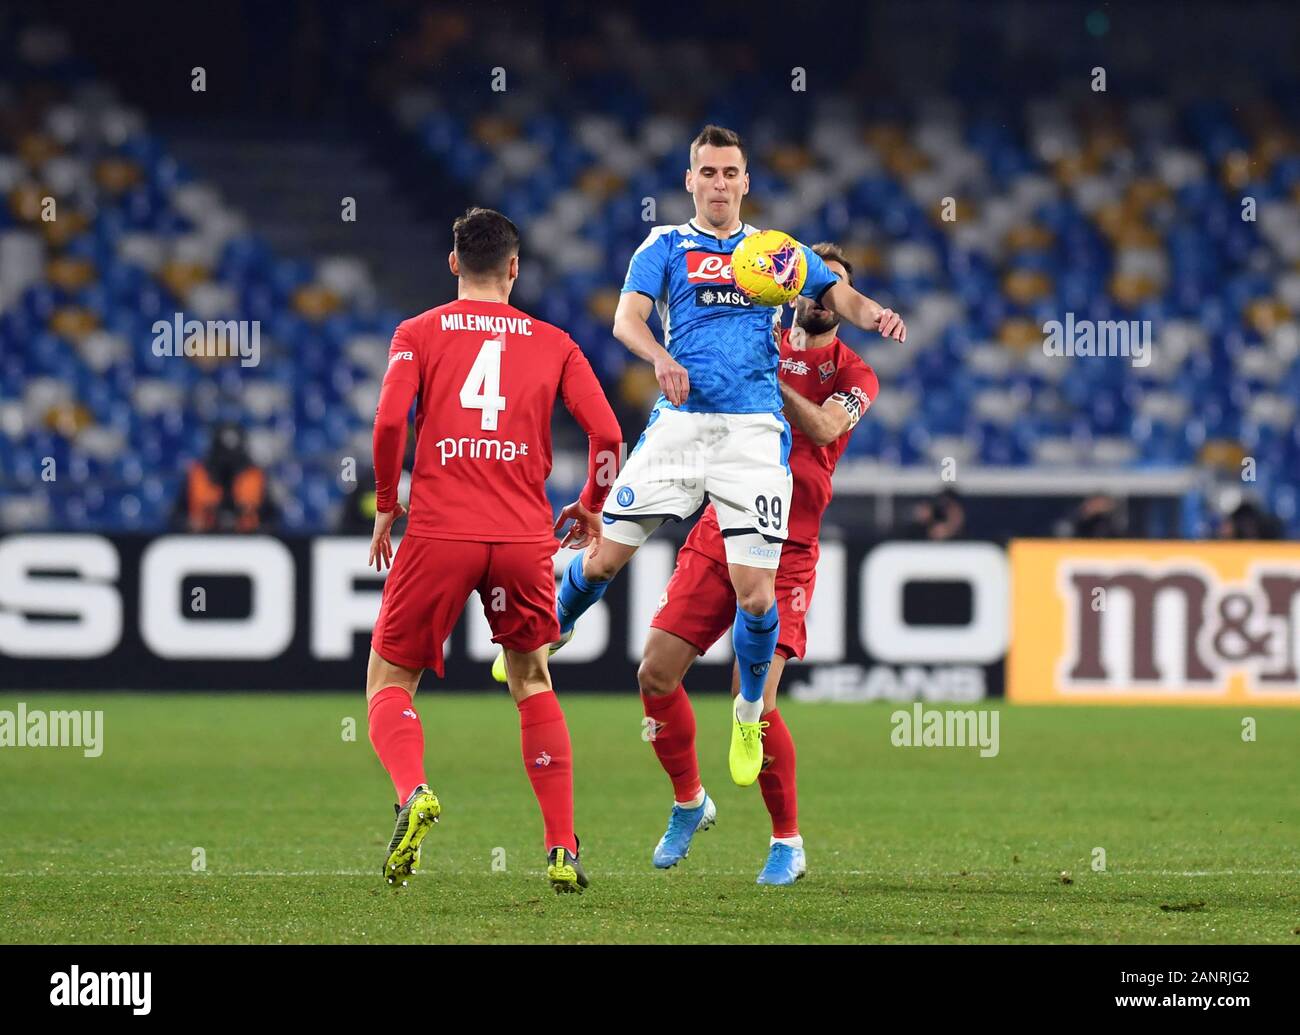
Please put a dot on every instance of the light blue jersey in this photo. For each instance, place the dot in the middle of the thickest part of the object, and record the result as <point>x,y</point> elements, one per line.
<point>728,344</point>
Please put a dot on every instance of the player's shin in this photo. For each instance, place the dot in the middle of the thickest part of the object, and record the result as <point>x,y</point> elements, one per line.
<point>576,594</point>
<point>777,780</point>
<point>548,760</point>
<point>673,738</point>
<point>398,738</point>
<point>754,639</point>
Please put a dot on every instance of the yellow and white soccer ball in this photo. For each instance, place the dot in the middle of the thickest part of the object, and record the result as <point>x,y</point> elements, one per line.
<point>770,267</point>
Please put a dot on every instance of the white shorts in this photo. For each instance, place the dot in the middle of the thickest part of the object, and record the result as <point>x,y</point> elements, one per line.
<point>740,461</point>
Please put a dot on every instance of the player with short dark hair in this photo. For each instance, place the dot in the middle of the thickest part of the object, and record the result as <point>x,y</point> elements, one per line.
<point>716,431</point>
<point>483,240</point>
<point>486,376</point>
<point>826,387</point>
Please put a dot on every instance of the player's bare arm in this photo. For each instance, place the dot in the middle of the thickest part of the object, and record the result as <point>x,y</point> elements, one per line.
<point>864,312</point>
<point>823,424</point>
<point>395,399</point>
<point>381,541</point>
<point>632,328</point>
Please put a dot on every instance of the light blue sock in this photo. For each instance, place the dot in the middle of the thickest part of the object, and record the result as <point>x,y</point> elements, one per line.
<point>576,594</point>
<point>754,639</point>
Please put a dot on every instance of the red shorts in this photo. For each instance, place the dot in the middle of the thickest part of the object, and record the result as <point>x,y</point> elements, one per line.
<point>432,579</point>
<point>699,604</point>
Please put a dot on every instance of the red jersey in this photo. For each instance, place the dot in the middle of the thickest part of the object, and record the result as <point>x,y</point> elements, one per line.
<point>817,374</point>
<point>486,375</point>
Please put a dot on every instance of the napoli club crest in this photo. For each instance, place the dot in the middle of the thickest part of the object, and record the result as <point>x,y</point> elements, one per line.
<point>625,496</point>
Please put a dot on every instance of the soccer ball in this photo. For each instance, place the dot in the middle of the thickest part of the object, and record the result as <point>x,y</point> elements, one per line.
<point>769,267</point>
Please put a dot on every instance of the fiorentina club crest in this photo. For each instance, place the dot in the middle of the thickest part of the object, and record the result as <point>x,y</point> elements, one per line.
<point>826,370</point>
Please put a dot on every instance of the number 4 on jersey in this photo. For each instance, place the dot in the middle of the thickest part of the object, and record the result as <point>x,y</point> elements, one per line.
<point>482,387</point>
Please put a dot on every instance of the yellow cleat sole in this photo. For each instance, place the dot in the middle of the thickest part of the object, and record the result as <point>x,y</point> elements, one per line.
<point>405,858</point>
<point>563,878</point>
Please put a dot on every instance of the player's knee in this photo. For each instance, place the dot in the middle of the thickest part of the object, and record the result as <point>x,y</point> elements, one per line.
<point>654,679</point>
<point>756,600</point>
<point>601,565</point>
<point>598,569</point>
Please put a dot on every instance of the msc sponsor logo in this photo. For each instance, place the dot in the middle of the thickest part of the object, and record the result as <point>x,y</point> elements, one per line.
<point>733,297</point>
<point>479,449</point>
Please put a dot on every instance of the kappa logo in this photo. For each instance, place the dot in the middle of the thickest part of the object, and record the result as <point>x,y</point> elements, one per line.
<point>542,760</point>
<point>688,243</point>
<point>1179,623</point>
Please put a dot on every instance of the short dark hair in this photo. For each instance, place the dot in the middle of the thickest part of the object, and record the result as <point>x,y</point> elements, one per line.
<point>484,240</point>
<point>831,252</point>
<point>717,136</point>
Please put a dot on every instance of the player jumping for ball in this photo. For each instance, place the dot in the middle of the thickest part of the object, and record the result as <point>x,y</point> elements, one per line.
<point>826,387</point>
<point>716,430</point>
<point>486,375</point>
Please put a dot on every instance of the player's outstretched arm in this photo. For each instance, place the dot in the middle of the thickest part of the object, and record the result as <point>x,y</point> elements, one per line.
<point>863,312</point>
<point>632,328</point>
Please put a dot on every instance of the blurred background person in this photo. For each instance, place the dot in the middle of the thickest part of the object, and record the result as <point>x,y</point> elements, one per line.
<point>940,517</point>
<point>225,491</point>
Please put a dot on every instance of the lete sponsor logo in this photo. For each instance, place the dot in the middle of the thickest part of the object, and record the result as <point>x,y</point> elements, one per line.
<point>708,268</point>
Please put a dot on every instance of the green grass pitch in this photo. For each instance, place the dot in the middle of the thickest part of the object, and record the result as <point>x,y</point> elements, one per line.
<point>1201,831</point>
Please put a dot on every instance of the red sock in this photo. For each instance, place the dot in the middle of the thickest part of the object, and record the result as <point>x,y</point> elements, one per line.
<point>776,780</point>
<point>548,760</point>
<point>674,740</point>
<point>398,738</point>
